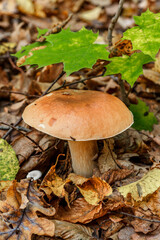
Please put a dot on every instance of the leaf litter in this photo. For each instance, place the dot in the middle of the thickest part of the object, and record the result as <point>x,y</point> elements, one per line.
<point>26,208</point>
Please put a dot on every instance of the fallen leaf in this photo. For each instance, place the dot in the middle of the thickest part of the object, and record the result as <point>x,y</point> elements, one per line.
<point>53,183</point>
<point>101,3</point>
<point>9,164</point>
<point>83,212</point>
<point>93,189</point>
<point>143,187</point>
<point>112,175</point>
<point>24,153</point>
<point>91,15</point>
<point>19,219</point>
<point>107,157</point>
<point>126,233</point>
<point>70,231</point>
<point>152,75</point>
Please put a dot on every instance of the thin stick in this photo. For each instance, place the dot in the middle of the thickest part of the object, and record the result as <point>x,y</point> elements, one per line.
<point>20,128</point>
<point>113,22</point>
<point>141,218</point>
<point>11,128</point>
<point>56,29</point>
<point>14,128</point>
<point>113,156</point>
<point>20,93</point>
<point>123,92</point>
<point>79,81</point>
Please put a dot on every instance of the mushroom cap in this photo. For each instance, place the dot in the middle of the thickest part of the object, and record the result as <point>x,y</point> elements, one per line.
<point>79,115</point>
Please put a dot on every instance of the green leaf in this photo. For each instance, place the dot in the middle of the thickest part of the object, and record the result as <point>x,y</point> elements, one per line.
<point>41,31</point>
<point>143,119</point>
<point>145,36</point>
<point>9,164</point>
<point>129,67</point>
<point>75,49</point>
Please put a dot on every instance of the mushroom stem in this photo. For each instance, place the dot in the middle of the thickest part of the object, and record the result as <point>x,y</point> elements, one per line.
<point>83,154</point>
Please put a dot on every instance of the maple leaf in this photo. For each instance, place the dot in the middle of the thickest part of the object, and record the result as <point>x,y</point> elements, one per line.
<point>75,49</point>
<point>9,164</point>
<point>145,36</point>
<point>143,119</point>
<point>130,67</point>
<point>18,213</point>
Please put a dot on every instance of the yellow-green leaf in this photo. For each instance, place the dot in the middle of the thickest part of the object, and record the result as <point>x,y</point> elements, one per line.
<point>143,187</point>
<point>9,164</point>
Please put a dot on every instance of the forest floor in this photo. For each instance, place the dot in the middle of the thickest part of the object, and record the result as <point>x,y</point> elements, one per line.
<point>31,209</point>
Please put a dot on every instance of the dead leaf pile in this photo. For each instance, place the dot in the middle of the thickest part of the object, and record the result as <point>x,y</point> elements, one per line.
<point>19,218</point>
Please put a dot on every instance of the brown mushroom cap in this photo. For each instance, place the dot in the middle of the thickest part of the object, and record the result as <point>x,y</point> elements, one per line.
<point>79,114</point>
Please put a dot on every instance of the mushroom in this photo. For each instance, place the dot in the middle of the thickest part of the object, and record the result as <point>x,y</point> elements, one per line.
<point>82,117</point>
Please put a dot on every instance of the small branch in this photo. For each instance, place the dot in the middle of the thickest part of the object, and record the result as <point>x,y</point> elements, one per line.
<point>123,92</point>
<point>11,129</point>
<point>20,128</point>
<point>56,29</point>
<point>14,128</point>
<point>17,230</point>
<point>79,81</point>
<point>20,93</point>
<point>113,22</point>
<point>47,91</point>
<point>16,67</point>
<point>141,218</point>
<point>113,156</point>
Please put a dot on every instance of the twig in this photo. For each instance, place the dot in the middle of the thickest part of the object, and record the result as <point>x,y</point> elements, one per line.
<point>16,67</point>
<point>11,129</point>
<point>56,29</point>
<point>20,93</point>
<point>79,81</point>
<point>113,22</point>
<point>123,92</point>
<point>113,156</point>
<point>20,220</point>
<point>14,128</point>
<point>141,218</point>
<point>20,128</point>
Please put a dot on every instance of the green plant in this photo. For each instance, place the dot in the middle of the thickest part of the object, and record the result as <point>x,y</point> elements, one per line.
<point>77,50</point>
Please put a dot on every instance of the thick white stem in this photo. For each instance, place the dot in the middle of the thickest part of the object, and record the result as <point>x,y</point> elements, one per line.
<point>83,154</point>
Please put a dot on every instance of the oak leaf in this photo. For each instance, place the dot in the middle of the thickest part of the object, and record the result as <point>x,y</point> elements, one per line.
<point>18,213</point>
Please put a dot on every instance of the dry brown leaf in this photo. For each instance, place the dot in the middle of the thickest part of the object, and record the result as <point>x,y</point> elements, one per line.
<point>70,231</point>
<point>152,75</point>
<point>93,189</point>
<point>101,3</point>
<point>24,153</point>
<point>141,236</point>
<point>116,175</point>
<point>53,183</point>
<point>145,226</point>
<point>126,233</point>
<point>18,213</point>
<point>49,73</point>
<point>83,212</point>
<point>106,159</point>
<point>91,15</point>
